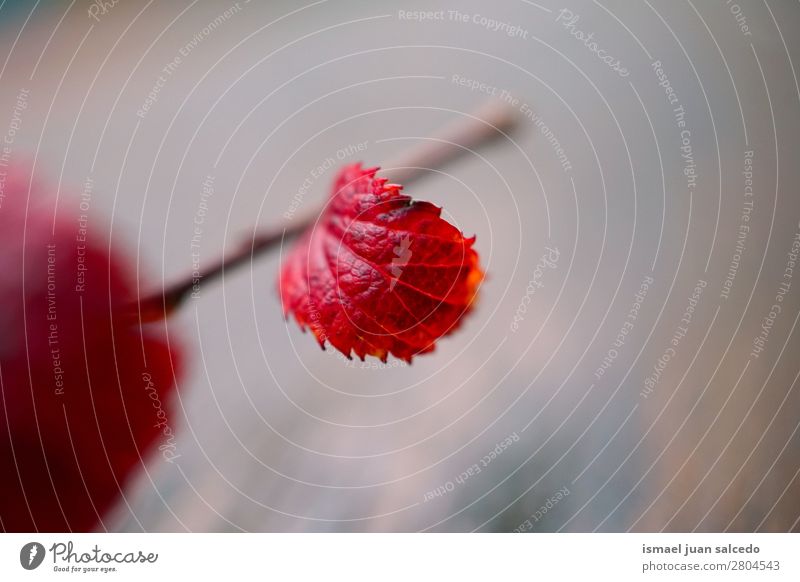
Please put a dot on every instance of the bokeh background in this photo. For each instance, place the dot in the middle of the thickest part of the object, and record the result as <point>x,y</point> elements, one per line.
<point>683,428</point>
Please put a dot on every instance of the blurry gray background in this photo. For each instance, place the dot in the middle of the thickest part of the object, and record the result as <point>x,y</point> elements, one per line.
<point>275,434</point>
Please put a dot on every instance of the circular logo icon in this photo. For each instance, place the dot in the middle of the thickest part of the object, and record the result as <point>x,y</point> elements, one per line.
<point>31,555</point>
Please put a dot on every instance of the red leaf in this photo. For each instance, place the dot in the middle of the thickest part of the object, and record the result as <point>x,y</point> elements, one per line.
<point>379,273</point>
<point>85,392</point>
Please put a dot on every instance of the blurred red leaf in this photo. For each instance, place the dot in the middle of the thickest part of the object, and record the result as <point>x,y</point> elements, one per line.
<point>379,273</point>
<point>84,390</point>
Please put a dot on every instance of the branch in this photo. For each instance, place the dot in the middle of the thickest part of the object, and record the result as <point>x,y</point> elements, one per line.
<point>492,120</point>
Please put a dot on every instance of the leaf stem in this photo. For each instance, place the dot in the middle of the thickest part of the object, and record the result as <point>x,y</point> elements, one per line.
<point>492,120</point>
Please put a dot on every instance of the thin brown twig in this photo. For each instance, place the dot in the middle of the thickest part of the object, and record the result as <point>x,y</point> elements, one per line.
<point>492,120</point>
